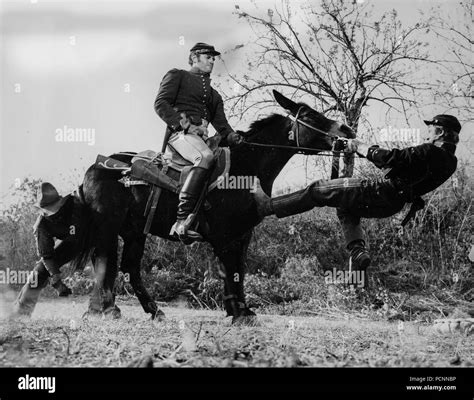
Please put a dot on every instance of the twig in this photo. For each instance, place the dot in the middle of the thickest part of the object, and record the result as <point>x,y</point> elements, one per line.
<point>402,302</point>
<point>226,332</point>
<point>215,302</point>
<point>311,312</point>
<point>129,294</point>
<point>259,298</point>
<point>199,301</point>
<point>332,354</point>
<point>199,332</point>
<point>442,312</point>
<point>459,233</point>
<point>68,340</point>
<point>174,352</point>
<point>438,300</point>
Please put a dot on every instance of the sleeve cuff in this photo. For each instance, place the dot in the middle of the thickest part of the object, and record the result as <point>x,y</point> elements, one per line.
<point>372,152</point>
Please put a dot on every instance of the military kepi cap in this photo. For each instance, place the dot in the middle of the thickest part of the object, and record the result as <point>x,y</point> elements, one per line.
<point>204,48</point>
<point>446,121</point>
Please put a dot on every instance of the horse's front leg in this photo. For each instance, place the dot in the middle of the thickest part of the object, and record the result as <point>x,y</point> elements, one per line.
<point>234,258</point>
<point>102,299</point>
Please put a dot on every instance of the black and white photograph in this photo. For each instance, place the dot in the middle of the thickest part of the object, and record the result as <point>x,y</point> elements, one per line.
<point>237,189</point>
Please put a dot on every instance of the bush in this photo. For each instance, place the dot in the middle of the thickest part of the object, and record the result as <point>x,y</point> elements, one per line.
<point>287,258</point>
<point>17,242</point>
<point>80,283</point>
<point>315,233</point>
<point>431,252</point>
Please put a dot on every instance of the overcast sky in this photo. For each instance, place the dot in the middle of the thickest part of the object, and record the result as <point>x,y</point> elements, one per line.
<point>98,65</point>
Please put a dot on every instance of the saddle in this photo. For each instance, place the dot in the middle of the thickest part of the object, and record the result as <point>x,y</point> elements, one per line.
<point>164,171</point>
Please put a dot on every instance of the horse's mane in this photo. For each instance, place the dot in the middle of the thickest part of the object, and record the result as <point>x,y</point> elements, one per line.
<point>261,124</point>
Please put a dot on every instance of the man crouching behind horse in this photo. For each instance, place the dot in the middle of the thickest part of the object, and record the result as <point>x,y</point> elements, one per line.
<point>60,218</point>
<point>190,92</point>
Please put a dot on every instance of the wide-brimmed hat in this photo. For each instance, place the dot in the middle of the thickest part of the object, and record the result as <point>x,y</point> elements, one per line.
<point>204,48</point>
<point>446,121</point>
<point>48,199</point>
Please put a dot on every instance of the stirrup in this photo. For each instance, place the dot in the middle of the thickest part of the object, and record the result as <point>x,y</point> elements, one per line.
<point>181,231</point>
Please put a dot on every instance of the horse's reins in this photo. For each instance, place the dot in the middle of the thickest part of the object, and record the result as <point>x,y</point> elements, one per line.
<point>299,149</point>
<point>292,133</point>
<point>295,135</point>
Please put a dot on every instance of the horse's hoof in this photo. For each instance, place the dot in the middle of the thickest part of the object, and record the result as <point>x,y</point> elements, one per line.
<point>91,313</point>
<point>112,313</point>
<point>64,291</point>
<point>158,315</point>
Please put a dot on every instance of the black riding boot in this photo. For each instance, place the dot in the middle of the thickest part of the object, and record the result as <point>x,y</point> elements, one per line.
<point>360,258</point>
<point>188,198</point>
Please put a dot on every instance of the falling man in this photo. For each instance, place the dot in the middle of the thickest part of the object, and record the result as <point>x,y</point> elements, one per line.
<point>409,173</point>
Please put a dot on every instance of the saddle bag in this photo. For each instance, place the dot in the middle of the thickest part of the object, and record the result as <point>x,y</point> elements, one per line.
<point>150,172</point>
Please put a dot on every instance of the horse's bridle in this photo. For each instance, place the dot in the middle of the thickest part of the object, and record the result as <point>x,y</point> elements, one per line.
<point>294,134</point>
<point>297,122</point>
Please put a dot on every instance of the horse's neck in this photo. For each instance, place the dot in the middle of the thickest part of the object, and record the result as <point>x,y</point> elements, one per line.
<point>271,166</point>
<point>265,162</point>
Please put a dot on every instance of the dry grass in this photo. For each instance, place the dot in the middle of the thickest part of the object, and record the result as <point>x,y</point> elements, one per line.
<point>58,336</point>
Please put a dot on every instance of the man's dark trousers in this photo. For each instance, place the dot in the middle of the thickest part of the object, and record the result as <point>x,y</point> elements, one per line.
<point>28,296</point>
<point>354,199</point>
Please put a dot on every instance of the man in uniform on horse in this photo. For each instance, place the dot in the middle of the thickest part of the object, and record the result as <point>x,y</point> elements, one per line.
<point>190,92</point>
<point>409,174</point>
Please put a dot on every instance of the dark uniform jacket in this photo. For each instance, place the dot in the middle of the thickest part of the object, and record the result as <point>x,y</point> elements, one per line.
<point>190,92</point>
<point>416,170</point>
<point>63,225</point>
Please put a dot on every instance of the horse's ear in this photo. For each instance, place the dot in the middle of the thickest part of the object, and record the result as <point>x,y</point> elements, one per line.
<point>285,102</point>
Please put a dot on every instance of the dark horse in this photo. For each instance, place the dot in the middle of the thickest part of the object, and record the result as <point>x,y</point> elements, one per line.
<point>118,210</point>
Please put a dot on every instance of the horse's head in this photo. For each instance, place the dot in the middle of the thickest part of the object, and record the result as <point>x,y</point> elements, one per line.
<point>310,128</point>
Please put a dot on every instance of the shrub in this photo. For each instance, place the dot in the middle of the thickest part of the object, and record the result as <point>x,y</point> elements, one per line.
<point>287,257</point>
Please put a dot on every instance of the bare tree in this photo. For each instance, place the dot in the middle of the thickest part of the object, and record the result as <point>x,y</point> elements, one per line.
<point>338,55</point>
<point>455,89</point>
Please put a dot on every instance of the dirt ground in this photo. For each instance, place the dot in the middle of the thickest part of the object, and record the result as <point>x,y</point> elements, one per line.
<point>58,336</point>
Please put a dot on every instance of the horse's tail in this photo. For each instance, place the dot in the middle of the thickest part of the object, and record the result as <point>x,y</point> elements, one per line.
<point>86,235</point>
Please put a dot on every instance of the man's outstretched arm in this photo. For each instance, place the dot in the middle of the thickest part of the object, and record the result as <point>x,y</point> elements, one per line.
<point>383,158</point>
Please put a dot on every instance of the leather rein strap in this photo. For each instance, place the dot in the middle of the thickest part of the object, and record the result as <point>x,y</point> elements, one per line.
<point>294,135</point>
